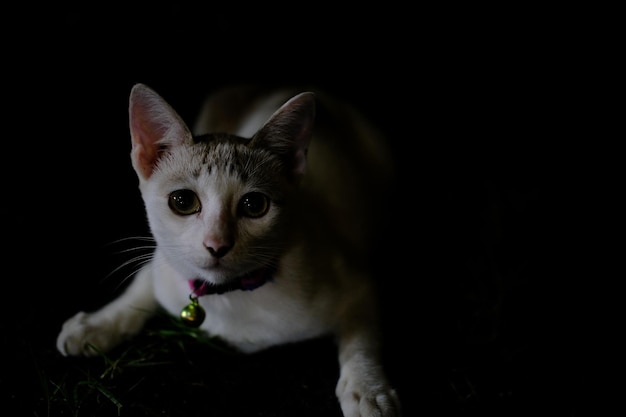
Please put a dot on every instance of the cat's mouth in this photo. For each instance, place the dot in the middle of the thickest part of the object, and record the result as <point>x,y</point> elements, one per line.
<point>247,282</point>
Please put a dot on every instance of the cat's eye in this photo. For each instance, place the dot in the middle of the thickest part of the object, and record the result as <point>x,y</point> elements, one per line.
<point>184,202</point>
<point>254,205</point>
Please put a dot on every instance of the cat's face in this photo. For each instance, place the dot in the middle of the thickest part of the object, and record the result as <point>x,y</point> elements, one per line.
<point>217,209</point>
<point>218,204</point>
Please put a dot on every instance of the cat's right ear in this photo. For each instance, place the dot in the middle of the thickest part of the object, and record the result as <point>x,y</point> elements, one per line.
<point>154,127</point>
<point>289,131</point>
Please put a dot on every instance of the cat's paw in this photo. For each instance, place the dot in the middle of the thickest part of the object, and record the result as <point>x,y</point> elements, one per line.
<point>81,335</point>
<point>358,398</point>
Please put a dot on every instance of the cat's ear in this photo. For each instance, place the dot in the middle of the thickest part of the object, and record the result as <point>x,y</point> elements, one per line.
<point>288,132</point>
<point>154,127</point>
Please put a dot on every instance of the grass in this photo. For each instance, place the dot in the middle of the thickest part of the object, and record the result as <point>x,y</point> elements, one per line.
<point>106,384</point>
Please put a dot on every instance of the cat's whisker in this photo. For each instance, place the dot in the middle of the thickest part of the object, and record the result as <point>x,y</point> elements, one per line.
<point>137,248</point>
<point>132,238</point>
<point>136,262</point>
<point>136,269</point>
<point>266,261</point>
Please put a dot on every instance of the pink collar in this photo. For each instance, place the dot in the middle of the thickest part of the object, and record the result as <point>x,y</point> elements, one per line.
<point>248,282</point>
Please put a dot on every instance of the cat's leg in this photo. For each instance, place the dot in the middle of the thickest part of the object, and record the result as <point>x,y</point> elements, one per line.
<point>363,389</point>
<point>89,333</point>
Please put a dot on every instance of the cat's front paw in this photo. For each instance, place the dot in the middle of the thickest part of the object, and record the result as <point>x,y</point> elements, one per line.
<point>359,398</point>
<point>81,335</point>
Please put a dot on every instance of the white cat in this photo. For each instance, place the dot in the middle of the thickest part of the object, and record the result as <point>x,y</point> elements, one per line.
<point>264,220</point>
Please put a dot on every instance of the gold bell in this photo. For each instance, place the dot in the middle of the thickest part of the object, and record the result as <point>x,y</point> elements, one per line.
<point>193,314</point>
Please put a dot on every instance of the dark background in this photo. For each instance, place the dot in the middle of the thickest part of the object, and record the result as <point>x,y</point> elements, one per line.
<point>471,102</point>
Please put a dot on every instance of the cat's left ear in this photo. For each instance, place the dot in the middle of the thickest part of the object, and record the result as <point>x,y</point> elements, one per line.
<point>154,127</point>
<point>288,132</point>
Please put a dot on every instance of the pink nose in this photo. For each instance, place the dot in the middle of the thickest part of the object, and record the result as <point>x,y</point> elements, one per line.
<point>220,251</point>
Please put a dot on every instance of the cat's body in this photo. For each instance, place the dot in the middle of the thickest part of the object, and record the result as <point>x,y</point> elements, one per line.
<point>289,215</point>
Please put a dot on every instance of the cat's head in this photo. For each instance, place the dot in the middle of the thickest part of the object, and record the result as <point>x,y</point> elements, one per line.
<point>218,204</point>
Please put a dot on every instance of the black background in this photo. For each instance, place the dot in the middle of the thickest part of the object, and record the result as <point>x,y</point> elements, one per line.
<point>471,102</point>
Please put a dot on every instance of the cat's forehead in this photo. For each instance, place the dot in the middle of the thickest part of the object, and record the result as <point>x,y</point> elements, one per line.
<point>205,157</point>
<point>217,157</point>
<point>220,138</point>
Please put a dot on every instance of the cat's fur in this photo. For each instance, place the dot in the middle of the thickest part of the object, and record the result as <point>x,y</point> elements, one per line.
<point>325,179</point>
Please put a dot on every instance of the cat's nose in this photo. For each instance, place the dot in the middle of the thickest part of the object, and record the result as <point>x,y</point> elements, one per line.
<point>220,251</point>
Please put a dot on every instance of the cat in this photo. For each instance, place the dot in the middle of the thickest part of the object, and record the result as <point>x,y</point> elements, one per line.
<point>264,217</point>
